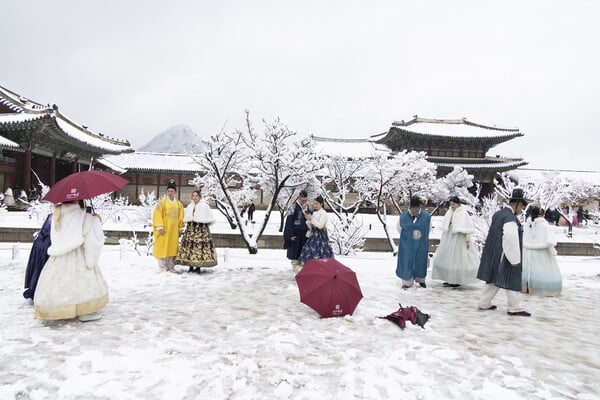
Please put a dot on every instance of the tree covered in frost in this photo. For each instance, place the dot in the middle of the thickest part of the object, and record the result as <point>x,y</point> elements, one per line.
<point>225,162</point>
<point>285,165</point>
<point>456,183</point>
<point>337,177</point>
<point>416,177</point>
<point>281,162</point>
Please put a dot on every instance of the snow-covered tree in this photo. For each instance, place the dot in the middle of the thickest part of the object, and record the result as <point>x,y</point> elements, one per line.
<point>285,165</point>
<point>416,177</point>
<point>456,183</point>
<point>336,183</point>
<point>225,163</point>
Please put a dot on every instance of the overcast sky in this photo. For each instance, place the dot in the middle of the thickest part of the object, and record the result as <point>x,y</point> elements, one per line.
<point>347,69</point>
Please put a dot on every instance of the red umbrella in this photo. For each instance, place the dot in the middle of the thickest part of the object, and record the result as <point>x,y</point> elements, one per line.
<point>84,185</point>
<point>328,287</point>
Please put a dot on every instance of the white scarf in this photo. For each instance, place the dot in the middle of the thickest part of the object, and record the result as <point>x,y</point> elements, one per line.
<point>461,221</point>
<point>198,212</point>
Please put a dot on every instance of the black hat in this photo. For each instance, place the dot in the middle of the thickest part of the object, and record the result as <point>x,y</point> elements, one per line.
<point>171,185</point>
<point>415,201</point>
<point>518,196</point>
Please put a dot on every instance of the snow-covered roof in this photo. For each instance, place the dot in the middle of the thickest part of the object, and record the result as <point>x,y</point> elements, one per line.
<point>537,174</point>
<point>6,143</point>
<point>24,110</point>
<point>451,127</point>
<point>490,165</point>
<point>351,148</point>
<point>149,161</point>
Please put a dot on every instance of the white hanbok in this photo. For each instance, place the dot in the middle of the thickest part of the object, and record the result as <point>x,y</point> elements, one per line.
<point>71,283</point>
<point>541,273</point>
<point>453,262</point>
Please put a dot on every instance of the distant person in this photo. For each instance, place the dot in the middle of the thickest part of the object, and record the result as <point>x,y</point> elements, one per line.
<point>167,220</point>
<point>317,245</point>
<point>413,247</point>
<point>9,199</point>
<point>295,228</point>
<point>251,209</point>
<point>197,249</point>
<point>541,273</point>
<point>455,261</point>
<point>500,265</point>
<point>580,215</point>
<point>37,258</point>
<point>71,284</point>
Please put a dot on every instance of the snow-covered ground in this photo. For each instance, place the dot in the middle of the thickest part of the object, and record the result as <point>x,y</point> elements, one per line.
<point>238,331</point>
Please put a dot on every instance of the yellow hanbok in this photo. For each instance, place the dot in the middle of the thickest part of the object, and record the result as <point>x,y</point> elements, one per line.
<point>169,215</point>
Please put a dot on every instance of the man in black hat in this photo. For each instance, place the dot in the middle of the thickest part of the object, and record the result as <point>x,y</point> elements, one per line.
<point>167,221</point>
<point>500,265</point>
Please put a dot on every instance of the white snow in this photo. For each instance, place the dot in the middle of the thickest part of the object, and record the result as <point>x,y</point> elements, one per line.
<point>238,331</point>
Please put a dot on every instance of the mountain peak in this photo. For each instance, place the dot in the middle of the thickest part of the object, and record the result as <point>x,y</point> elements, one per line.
<point>179,139</point>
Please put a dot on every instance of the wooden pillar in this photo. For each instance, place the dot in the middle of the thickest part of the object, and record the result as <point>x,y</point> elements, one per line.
<point>74,167</point>
<point>158,187</point>
<point>179,186</point>
<point>137,185</point>
<point>27,170</point>
<point>52,171</point>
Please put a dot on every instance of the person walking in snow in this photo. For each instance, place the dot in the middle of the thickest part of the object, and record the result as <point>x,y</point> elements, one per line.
<point>71,284</point>
<point>455,260</point>
<point>413,247</point>
<point>500,265</point>
<point>167,222</point>
<point>541,273</point>
<point>197,249</point>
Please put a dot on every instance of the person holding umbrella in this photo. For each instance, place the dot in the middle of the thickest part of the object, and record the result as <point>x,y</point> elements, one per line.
<point>167,221</point>
<point>71,284</point>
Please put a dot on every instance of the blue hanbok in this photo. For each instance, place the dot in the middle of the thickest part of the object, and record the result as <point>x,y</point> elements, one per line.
<point>413,248</point>
<point>317,245</point>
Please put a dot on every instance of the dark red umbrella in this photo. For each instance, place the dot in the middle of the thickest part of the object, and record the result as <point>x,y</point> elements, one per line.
<point>84,185</point>
<point>328,287</point>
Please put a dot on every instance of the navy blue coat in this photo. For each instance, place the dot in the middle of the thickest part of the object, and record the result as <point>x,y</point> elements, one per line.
<point>295,225</point>
<point>494,267</point>
<point>37,258</point>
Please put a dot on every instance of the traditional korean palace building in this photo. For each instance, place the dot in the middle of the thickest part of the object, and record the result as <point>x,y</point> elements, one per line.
<point>37,138</point>
<point>453,142</point>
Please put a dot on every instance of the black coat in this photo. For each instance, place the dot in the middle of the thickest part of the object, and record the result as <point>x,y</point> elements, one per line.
<point>494,266</point>
<point>295,225</point>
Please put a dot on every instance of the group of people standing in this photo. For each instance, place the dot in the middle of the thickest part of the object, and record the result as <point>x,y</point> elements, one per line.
<point>170,220</point>
<point>67,249</point>
<point>514,258</point>
<point>63,277</point>
<point>305,231</point>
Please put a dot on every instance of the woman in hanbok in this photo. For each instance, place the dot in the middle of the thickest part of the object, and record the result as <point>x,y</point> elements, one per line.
<point>71,284</point>
<point>37,258</point>
<point>455,260</point>
<point>197,249</point>
<point>317,245</point>
<point>541,273</point>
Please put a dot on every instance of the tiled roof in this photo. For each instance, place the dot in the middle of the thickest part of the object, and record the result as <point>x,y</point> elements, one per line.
<point>26,110</point>
<point>359,148</point>
<point>150,162</point>
<point>451,128</point>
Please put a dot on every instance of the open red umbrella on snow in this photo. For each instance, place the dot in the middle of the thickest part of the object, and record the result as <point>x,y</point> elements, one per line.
<point>84,185</point>
<point>328,287</point>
